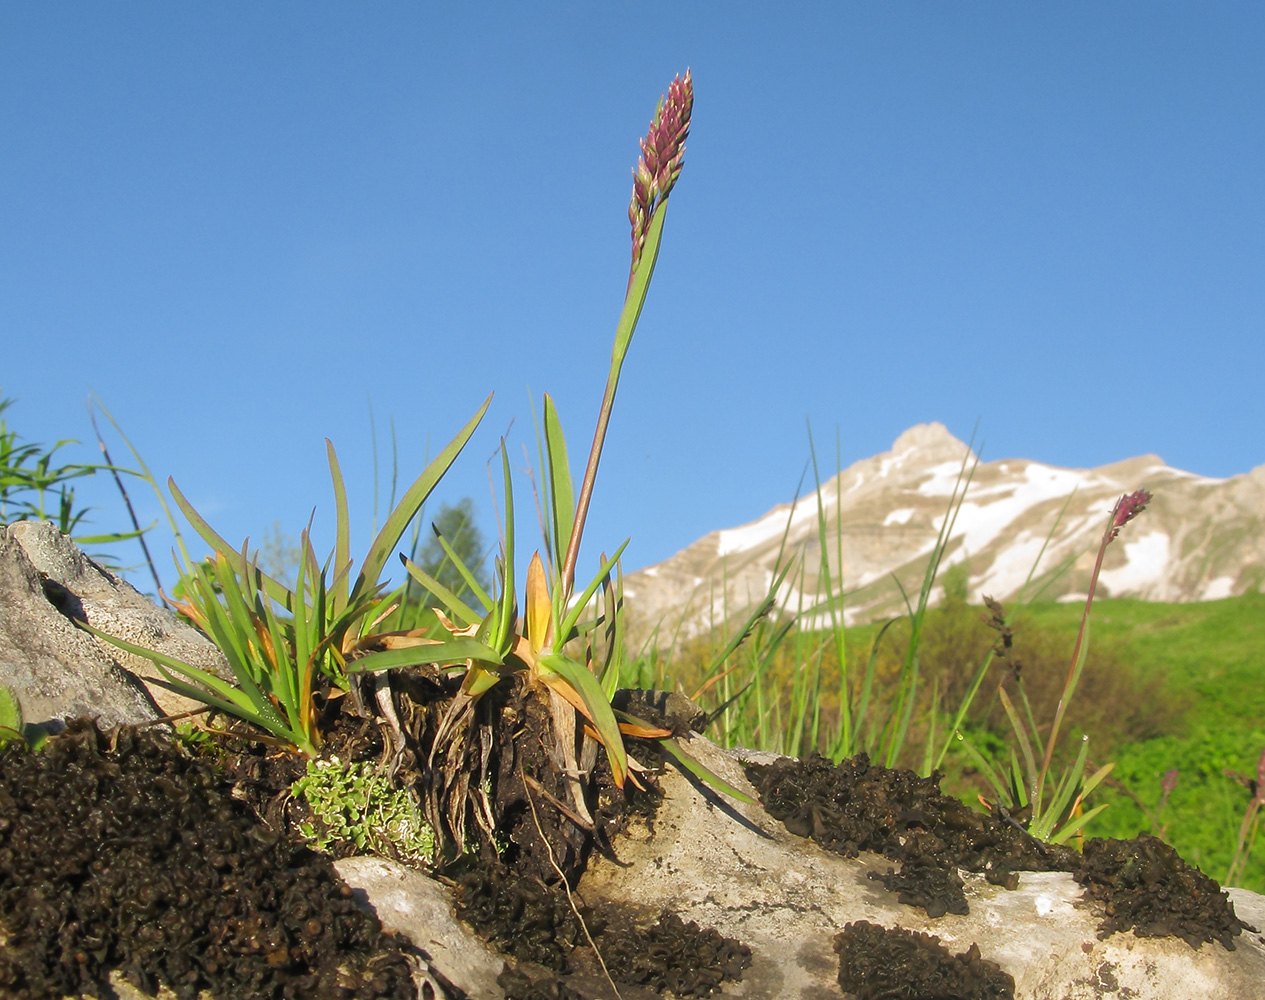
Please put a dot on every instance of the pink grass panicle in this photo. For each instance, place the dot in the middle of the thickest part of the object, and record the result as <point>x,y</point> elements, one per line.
<point>662,156</point>
<point>1127,508</point>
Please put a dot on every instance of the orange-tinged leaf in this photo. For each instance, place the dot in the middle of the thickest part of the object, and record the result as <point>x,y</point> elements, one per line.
<point>539,610</point>
<point>580,688</point>
<point>265,640</point>
<point>396,640</point>
<point>465,633</point>
<point>523,650</point>
<point>644,732</point>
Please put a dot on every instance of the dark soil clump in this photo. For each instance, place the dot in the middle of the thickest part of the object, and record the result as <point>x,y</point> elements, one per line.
<point>535,924</point>
<point>1141,884</point>
<point>125,851</point>
<point>880,964</point>
<point>1144,884</point>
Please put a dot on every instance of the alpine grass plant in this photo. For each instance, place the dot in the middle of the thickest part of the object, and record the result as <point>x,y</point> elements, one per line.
<point>289,647</point>
<point>575,659</point>
<point>759,708</point>
<point>1023,789</point>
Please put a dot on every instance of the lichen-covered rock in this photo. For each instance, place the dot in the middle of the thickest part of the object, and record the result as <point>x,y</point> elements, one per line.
<point>76,587</point>
<point>731,866</point>
<point>55,670</point>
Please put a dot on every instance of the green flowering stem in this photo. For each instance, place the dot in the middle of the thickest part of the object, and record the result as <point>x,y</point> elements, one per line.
<point>662,156</point>
<point>1125,510</point>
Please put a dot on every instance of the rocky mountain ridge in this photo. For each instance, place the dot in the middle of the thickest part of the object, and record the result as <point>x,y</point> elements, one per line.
<point>1200,539</point>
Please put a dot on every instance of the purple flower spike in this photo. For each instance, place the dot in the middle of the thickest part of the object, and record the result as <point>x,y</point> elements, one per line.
<point>1129,506</point>
<point>662,156</point>
<point>1170,781</point>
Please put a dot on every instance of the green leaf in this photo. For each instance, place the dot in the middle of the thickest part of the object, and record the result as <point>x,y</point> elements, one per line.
<point>209,689</point>
<point>743,633</point>
<point>1077,667</point>
<point>613,613</point>
<point>410,503</point>
<point>577,608</point>
<point>441,653</point>
<point>702,772</point>
<point>505,626</point>
<point>590,691</point>
<point>460,566</point>
<point>1042,826</point>
<point>342,528</point>
<point>457,609</point>
<point>639,284</point>
<point>561,495</point>
<point>10,711</point>
<point>985,768</point>
<point>277,591</point>
<point>1076,823</point>
<point>867,685</point>
<point>1024,744</point>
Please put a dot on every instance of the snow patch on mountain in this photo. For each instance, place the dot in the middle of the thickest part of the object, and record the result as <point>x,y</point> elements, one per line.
<point>768,528</point>
<point>1146,559</point>
<point>1215,590</point>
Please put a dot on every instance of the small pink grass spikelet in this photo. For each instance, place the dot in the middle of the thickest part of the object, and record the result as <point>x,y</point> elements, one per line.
<point>662,156</point>
<point>1129,506</point>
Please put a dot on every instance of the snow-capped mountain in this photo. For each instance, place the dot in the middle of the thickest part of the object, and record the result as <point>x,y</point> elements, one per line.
<point>1200,539</point>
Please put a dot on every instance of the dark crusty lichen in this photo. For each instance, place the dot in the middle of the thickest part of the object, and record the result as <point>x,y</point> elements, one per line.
<point>675,955</point>
<point>523,983</point>
<point>521,917</point>
<point>1144,885</point>
<point>126,852</point>
<point>936,889</point>
<point>858,806</point>
<point>534,923</point>
<point>880,964</point>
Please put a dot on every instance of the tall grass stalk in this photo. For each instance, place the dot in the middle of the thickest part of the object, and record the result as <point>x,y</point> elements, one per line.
<point>1126,509</point>
<point>1250,825</point>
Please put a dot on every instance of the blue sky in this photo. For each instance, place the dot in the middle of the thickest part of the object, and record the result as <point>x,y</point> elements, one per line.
<point>240,223</point>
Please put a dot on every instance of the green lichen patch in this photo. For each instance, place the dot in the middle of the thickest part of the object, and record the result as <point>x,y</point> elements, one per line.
<point>355,805</point>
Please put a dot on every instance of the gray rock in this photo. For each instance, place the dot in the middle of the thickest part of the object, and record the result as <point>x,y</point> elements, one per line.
<point>415,905</point>
<point>70,585</point>
<point>54,669</point>
<point>730,866</point>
